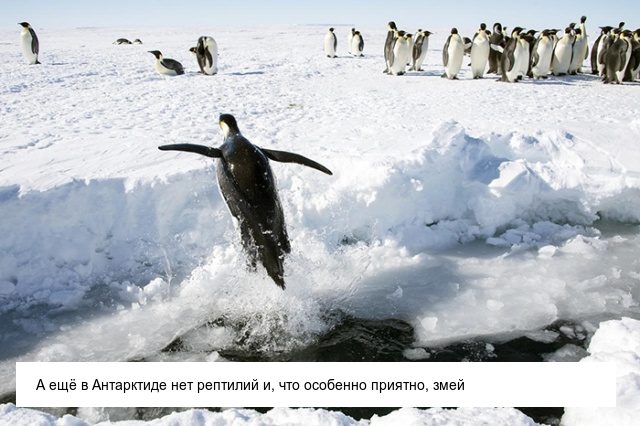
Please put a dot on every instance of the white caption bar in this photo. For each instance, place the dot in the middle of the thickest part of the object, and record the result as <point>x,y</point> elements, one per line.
<point>308,384</point>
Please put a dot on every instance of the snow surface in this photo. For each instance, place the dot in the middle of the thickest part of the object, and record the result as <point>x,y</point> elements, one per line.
<point>467,208</point>
<point>10,415</point>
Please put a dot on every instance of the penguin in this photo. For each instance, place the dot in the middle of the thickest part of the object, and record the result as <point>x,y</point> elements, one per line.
<point>633,68</point>
<point>206,52</point>
<point>580,50</point>
<point>137,41</point>
<point>480,49</point>
<point>401,54</point>
<point>349,39</point>
<point>452,55</point>
<point>388,44</point>
<point>541,55</point>
<point>122,41</point>
<point>562,53</point>
<point>30,44</point>
<point>497,39</point>
<point>515,56</point>
<point>248,187</point>
<point>330,44</point>
<point>595,49</point>
<point>617,58</point>
<point>606,38</point>
<point>411,42</point>
<point>357,44</point>
<point>420,47</point>
<point>166,66</point>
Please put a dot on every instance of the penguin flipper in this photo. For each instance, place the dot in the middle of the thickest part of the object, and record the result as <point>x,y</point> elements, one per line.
<point>290,157</point>
<point>198,149</point>
<point>497,48</point>
<point>35,45</point>
<point>445,52</point>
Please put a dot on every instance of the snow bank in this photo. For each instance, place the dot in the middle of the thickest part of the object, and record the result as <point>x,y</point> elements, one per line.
<point>619,342</point>
<point>284,416</point>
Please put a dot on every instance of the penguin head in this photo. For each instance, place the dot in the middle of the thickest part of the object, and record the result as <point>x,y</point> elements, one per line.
<point>572,25</point>
<point>353,31</point>
<point>567,30</point>
<point>606,30</point>
<point>427,33</point>
<point>392,25</point>
<point>331,29</point>
<point>454,31</point>
<point>24,24</point>
<point>627,34</point>
<point>621,25</point>
<point>497,27</point>
<point>546,33</point>
<point>228,124</point>
<point>193,50</point>
<point>578,31</point>
<point>137,41</point>
<point>408,36</point>
<point>516,31</point>
<point>532,32</point>
<point>583,19</point>
<point>156,53</point>
<point>483,26</point>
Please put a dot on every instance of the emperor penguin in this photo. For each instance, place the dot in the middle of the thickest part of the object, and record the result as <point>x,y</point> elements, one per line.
<point>349,39</point>
<point>542,53</point>
<point>607,40</point>
<point>617,58</point>
<point>420,47</point>
<point>480,50</point>
<point>248,187</point>
<point>206,52</point>
<point>452,55</point>
<point>580,48</point>
<point>497,39</point>
<point>330,44</point>
<point>30,44</point>
<point>137,41</point>
<point>388,44</point>
<point>166,66</point>
<point>401,54</point>
<point>595,50</point>
<point>562,53</point>
<point>633,67</point>
<point>357,44</point>
<point>515,56</point>
<point>122,41</point>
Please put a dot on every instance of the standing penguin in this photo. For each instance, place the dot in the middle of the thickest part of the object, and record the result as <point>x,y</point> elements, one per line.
<point>206,52</point>
<point>350,38</point>
<point>388,44</point>
<point>401,54</point>
<point>633,67</point>
<point>562,53</point>
<point>248,187</point>
<point>580,48</point>
<point>452,55</point>
<point>541,55</point>
<point>166,66</point>
<point>480,50</point>
<point>515,56</point>
<point>357,44</point>
<point>617,58</point>
<point>420,47</point>
<point>330,44</point>
<point>496,39</point>
<point>30,44</point>
<point>596,49</point>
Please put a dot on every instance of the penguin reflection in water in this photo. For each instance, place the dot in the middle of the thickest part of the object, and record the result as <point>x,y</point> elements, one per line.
<point>248,187</point>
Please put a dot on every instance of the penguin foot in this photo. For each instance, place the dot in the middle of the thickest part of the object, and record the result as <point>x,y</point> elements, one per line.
<point>444,75</point>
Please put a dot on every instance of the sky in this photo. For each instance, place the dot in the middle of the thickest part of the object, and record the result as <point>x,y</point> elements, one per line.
<point>416,13</point>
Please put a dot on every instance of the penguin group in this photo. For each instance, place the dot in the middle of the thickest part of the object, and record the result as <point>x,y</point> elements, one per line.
<point>402,49</point>
<point>205,51</point>
<point>513,55</point>
<point>355,43</point>
<point>126,41</point>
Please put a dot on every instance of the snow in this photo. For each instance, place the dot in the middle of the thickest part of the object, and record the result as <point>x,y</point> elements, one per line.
<point>467,208</point>
<point>619,342</point>
<point>281,416</point>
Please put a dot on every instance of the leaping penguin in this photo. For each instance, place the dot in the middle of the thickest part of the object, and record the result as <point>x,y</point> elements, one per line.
<point>166,66</point>
<point>30,44</point>
<point>248,187</point>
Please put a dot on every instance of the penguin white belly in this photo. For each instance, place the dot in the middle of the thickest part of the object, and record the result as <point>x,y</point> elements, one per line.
<point>479,56</point>
<point>456,54</point>
<point>577,55</point>
<point>164,70</point>
<point>329,50</point>
<point>423,54</point>
<point>601,66</point>
<point>355,46</point>
<point>620,74</point>
<point>349,41</point>
<point>543,66</point>
<point>25,41</point>
<point>212,47</point>
<point>400,57</point>
<point>562,58</point>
